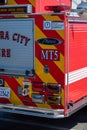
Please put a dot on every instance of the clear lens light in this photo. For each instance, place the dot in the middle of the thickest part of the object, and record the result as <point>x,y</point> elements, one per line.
<point>38,98</point>
<point>55,100</point>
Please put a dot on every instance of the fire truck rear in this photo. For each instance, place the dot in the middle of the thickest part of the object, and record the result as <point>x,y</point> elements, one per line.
<point>43,58</point>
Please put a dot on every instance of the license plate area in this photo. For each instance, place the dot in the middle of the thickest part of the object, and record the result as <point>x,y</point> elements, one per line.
<point>4,92</point>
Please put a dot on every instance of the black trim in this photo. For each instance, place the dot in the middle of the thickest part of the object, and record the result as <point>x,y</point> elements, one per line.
<point>49,41</point>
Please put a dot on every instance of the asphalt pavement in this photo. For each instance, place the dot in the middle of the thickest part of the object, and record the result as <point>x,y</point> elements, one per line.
<point>77,121</point>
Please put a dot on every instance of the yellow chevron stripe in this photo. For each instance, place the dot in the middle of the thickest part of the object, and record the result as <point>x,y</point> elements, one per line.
<point>11,2</point>
<point>54,18</point>
<point>45,77</point>
<point>51,17</point>
<point>40,34</point>
<point>61,33</point>
<point>60,63</point>
<point>47,47</point>
<point>20,81</point>
<point>13,97</point>
<point>32,2</point>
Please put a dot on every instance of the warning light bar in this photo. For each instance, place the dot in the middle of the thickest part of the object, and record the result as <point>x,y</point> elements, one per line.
<point>16,9</point>
<point>57,8</point>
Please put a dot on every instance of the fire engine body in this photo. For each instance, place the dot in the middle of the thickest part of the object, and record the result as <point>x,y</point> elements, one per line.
<point>43,58</point>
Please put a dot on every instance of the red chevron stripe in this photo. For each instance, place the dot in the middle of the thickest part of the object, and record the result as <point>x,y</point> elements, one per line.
<point>54,70</point>
<point>39,22</point>
<point>49,33</point>
<point>22,1</point>
<point>13,84</point>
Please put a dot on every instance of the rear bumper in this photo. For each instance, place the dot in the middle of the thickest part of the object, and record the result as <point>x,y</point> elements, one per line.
<point>33,111</point>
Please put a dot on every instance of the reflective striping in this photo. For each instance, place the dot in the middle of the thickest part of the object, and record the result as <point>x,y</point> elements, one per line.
<point>76,75</point>
<point>57,65</point>
<point>20,81</point>
<point>22,1</point>
<point>9,2</point>
<point>46,77</point>
<point>61,33</point>
<point>40,34</point>
<point>52,18</point>
<point>40,75</point>
<point>47,47</point>
<point>54,70</point>
<point>13,97</point>
<point>40,24</point>
<point>32,2</point>
<point>55,18</point>
<point>60,63</point>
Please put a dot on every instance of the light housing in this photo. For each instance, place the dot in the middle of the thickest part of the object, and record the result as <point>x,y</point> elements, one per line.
<point>38,86</point>
<point>57,8</point>
<point>54,88</point>
<point>37,98</point>
<point>54,100</point>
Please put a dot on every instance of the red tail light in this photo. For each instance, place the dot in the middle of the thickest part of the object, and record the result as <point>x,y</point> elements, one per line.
<point>39,87</point>
<point>54,88</point>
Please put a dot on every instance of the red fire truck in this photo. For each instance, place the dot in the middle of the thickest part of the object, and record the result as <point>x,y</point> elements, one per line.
<point>43,58</point>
